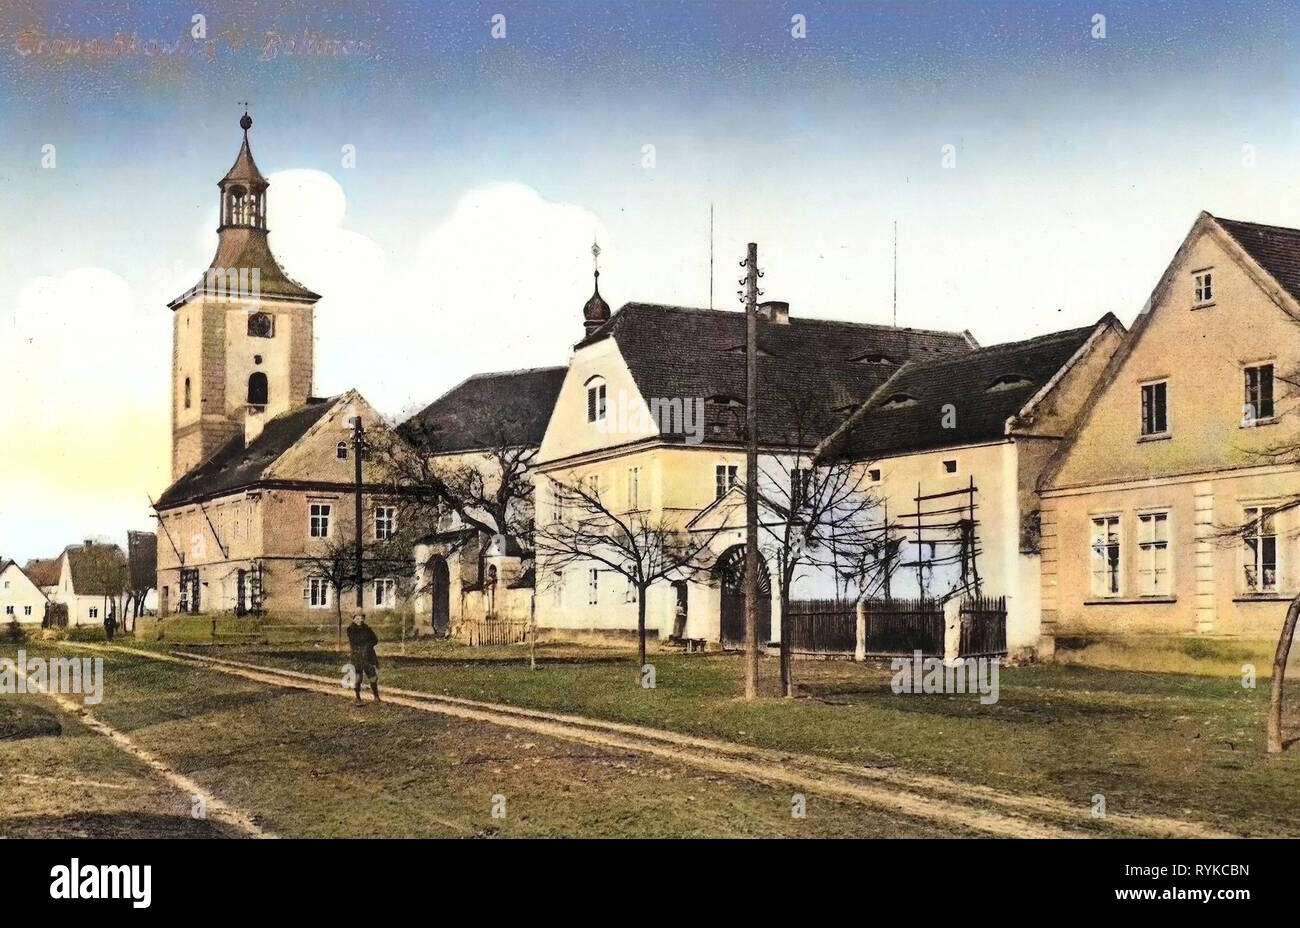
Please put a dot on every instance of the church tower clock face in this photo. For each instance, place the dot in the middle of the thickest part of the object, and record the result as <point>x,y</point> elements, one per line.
<point>243,335</point>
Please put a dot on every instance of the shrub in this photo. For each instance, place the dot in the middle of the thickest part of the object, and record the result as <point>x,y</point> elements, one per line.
<point>87,633</point>
<point>17,635</point>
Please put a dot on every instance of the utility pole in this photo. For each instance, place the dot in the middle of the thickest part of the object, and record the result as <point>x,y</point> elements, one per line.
<point>358,448</point>
<point>751,471</point>
<point>895,273</point>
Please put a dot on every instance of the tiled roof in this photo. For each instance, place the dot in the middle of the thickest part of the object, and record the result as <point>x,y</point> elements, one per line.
<point>985,387</point>
<point>509,408</point>
<point>810,371</point>
<point>43,572</point>
<point>1274,248</point>
<point>246,249</point>
<point>234,466</point>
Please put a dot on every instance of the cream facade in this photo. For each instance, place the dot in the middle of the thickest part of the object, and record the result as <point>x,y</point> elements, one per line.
<point>21,600</point>
<point>1155,517</point>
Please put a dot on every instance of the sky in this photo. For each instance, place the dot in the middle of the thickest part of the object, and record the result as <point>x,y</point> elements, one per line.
<point>457,239</point>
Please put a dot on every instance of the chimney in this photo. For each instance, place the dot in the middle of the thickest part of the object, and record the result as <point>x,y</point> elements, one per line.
<point>254,419</point>
<point>90,542</point>
<point>777,311</point>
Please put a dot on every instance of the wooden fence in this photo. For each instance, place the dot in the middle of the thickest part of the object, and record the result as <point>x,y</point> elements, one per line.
<point>491,632</point>
<point>897,627</point>
<point>983,626</point>
<point>903,626</point>
<point>823,626</point>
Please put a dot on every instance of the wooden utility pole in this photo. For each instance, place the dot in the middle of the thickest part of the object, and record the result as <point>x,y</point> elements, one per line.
<point>751,471</point>
<point>358,448</point>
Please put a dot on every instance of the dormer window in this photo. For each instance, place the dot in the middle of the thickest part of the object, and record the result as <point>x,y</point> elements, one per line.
<point>341,451</point>
<point>261,325</point>
<point>1009,382</point>
<point>1203,287</point>
<point>595,400</point>
<point>898,401</point>
<point>874,358</point>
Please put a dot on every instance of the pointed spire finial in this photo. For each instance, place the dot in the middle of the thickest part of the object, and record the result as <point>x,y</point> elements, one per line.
<point>595,258</point>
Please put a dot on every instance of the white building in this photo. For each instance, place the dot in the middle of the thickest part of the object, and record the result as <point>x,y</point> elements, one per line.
<point>21,600</point>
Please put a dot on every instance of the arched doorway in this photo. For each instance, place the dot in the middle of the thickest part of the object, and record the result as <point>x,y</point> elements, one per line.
<point>730,573</point>
<point>440,577</point>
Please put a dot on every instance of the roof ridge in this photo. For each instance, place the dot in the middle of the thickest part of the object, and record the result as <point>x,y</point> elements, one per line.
<point>1258,225</point>
<point>800,320</point>
<point>510,373</point>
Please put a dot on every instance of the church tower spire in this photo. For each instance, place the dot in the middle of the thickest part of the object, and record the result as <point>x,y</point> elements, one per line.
<point>242,337</point>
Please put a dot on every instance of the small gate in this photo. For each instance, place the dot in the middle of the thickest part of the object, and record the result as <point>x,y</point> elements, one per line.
<point>983,626</point>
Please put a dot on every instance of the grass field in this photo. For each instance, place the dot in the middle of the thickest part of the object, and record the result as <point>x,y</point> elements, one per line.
<point>1156,743</point>
<point>1178,745</point>
<point>308,765</point>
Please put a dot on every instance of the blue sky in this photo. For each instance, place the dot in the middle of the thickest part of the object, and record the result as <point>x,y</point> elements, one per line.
<point>484,167</point>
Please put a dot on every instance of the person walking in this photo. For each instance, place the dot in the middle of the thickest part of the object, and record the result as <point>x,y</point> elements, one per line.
<point>110,625</point>
<point>365,662</point>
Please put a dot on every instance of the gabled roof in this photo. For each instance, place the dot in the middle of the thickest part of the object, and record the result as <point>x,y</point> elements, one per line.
<point>985,387</point>
<point>4,565</point>
<point>1275,248</point>
<point>234,466</point>
<point>43,571</point>
<point>97,569</point>
<point>485,411</point>
<point>811,370</point>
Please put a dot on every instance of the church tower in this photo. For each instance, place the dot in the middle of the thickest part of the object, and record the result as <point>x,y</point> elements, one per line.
<point>242,337</point>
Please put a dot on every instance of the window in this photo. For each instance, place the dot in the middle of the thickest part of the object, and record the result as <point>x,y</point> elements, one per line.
<point>629,595</point>
<point>1259,394</point>
<point>950,467</point>
<point>593,586</point>
<point>1009,382</point>
<point>898,400</point>
<point>27,610</point>
<point>1153,553</point>
<point>9,610</point>
<point>320,520</point>
<point>633,488</point>
<point>725,476</point>
<point>94,612</point>
<point>317,593</point>
<point>187,393</point>
<point>341,451</point>
<point>1260,553</point>
<point>258,391</point>
<point>1106,556</point>
<point>1155,415</point>
<point>800,482</point>
<point>385,522</point>
<point>261,325</point>
<point>595,402</point>
<point>1204,289</point>
<point>874,474</point>
<point>385,593</point>
<point>557,588</point>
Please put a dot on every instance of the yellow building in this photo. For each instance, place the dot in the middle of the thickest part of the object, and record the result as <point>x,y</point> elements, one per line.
<point>1157,515</point>
<point>651,414</point>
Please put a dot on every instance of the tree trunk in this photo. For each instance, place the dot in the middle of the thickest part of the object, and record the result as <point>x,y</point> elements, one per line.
<point>1279,676</point>
<point>787,668</point>
<point>640,630</point>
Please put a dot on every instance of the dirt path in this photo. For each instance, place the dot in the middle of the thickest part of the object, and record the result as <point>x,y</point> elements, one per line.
<point>932,798</point>
<point>215,809</point>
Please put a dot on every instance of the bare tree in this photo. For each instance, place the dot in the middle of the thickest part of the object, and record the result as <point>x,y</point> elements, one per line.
<point>817,515</point>
<point>1255,531</point>
<point>489,488</point>
<point>335,563</point>
<point>582,528</point>
<point>142,562</point>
